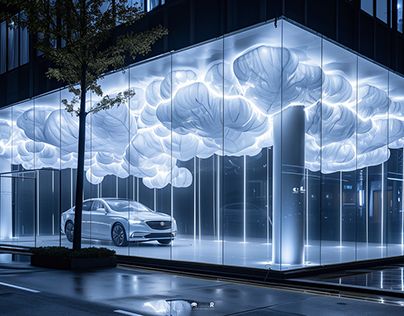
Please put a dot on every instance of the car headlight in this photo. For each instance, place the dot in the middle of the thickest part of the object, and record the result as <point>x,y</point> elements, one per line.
<point>137,221</point>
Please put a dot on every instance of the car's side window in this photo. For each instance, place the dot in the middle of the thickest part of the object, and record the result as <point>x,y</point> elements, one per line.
<point>87,206</point>
<point>98,205</point>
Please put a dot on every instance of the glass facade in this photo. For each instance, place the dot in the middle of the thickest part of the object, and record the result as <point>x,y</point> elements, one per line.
<point>381,10</point>
<point>3,47</point>
<point>13,39</point>
<point>400,15</point>
<point>367,6</point>
<point>14,46</point>
<point>270,147</point>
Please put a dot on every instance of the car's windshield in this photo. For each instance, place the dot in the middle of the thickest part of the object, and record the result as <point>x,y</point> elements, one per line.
<point>127,206</point>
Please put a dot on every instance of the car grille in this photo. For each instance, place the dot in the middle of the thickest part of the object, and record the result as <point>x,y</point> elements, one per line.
<point>159,235</point>
<point>159,225</point>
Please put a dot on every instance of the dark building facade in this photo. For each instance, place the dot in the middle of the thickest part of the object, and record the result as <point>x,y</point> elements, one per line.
<point>263,133</point>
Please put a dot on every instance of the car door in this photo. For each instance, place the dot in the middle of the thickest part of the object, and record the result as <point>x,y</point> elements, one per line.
<point>86,219</point>
<point>100,221</point>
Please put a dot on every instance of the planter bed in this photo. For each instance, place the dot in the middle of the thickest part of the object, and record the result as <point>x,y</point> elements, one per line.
<point>63,258</point>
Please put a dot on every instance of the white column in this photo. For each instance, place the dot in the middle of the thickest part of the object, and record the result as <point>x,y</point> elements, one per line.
<point>288,179</point>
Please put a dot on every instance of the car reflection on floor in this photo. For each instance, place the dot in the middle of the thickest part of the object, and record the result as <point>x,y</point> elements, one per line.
<point>253,253</point>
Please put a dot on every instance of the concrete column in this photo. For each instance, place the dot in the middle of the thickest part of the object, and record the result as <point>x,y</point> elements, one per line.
<point>6,222</point>
<point>288,182</point>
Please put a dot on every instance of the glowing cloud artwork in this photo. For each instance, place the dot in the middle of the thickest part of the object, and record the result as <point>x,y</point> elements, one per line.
<point>219,109</point>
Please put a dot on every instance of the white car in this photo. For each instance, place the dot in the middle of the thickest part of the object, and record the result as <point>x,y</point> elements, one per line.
<point>120,221</point>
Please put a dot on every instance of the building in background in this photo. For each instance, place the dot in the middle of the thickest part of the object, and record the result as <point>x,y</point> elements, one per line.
<point>272,131</point>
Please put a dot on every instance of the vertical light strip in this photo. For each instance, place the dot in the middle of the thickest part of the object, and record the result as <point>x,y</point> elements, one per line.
<point>133,188</point>
<point>137,190</point>
<point>218,196</point>
<point>385,176</point>
<point>53,181</point>
<point>244,196</point>
<point>402,207</point>
<point>37,202</point>
<point>340,209</point>
<point>116,187</point>
<point>194,184</point>
<point>172,200</point>
<point>381,279</point>
<point>382,214</point>
<point>199,198</point>
<point>268,222</point>
<point>307,206</point>
<point>402,279</point>
<point>214,174</point>
<point>71,187</point>
<point>53,195</point>
<point>367,206</point>
<point>171,148</point>
<point>154,200</point>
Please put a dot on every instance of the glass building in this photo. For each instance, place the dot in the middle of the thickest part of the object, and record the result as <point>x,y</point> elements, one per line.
<point>271,147</point>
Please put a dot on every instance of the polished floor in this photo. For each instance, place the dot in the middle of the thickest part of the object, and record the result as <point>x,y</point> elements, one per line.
<point>254,253</point>
<point>25,290</point>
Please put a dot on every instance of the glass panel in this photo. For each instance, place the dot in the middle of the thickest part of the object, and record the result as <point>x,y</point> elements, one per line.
<point>24,190</point>
<point>106,170</point>
<point>301,178</point>
<point>372,153</point>
<point>6,185</point>
<point>367,6</point>
<point>338,159</point>
<point>197,137</point>
<point>3,47</point>
<point>400,15</point>
<point>24,46</point>
<point>47,162</point>
<point>149,158</point>
<point>24,208</point>
<point>381,10</point>
<point>251,99</point>
<point>395,203</point>
<point>151,4</point>
<point>12,46</point>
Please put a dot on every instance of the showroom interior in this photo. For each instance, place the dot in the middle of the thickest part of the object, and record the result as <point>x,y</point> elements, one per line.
<point>271,146</point>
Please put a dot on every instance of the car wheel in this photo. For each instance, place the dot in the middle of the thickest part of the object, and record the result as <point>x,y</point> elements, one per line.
<point>118,235</point>
<point>69,231</point>
<point>164,241</point>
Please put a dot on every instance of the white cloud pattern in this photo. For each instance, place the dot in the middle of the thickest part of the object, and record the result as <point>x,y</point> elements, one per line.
<point>184,114</point>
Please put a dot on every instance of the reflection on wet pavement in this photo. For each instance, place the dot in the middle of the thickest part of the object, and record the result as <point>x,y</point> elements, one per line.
<point>176,307</point>
<point>13,258</point>
<point>153,293</point>
<point>384,278</point>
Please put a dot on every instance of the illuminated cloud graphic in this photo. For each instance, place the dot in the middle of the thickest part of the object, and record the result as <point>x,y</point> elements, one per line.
<point>224,109</point>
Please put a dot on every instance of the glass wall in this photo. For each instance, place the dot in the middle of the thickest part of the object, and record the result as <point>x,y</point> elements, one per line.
<point>367,6</point>
<point>268,148</point>
<point>400,16</point>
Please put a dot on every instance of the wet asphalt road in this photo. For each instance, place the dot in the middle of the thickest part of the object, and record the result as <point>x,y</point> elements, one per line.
<point>25,290</point>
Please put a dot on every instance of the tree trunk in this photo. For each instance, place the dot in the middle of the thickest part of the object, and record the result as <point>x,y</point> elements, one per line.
<point>80,166</point>
<point>81,141</point>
